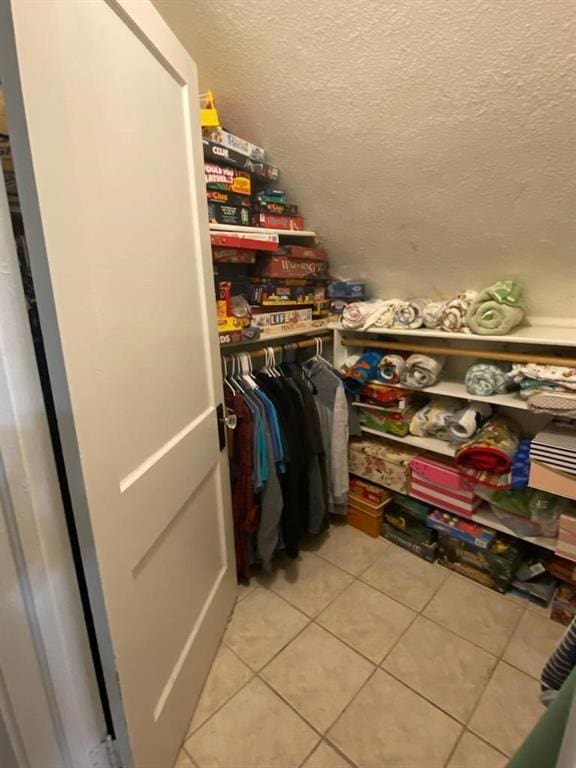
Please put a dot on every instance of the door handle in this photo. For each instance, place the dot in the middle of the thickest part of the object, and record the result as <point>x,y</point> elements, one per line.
<point>225,419</point>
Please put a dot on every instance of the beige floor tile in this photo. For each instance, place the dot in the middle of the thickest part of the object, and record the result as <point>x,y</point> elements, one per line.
<point>367,620</point>
<point>255,729</point>
<point>262,624</point>
<point>533,641</point>
<point>405,577</point>
<point>483,617</point>
<point>447,670</point>
<point>508,710</point>
<point>388,726</point>
<point>183,761</point>
<point>471,752</point>
<point>350,549</point>
<point>243,590</point>
<point>309,583</point>
<point>325,757</point>
<point>227,676</point>
<point>318,675</point>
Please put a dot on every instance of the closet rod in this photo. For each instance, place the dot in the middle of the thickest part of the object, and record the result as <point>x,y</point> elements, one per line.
<point>512,357</point>
<point>325,337</point>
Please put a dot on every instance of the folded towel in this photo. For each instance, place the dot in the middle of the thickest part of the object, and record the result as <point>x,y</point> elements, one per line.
<point>409,314</point>
<point>386,317</point>
<point>467,421</point>
<point>362,371</point>
<point>422,371</point>
<point>432,313</point>
<point>453,317</point>
<point>433,420</point>
<point>497,309</point>
<point>390,369</point>
<point>486,379</point>
<point>486,459</point>
<point>555,375</point>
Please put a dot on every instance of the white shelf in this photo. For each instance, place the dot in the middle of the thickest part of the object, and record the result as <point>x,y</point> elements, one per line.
<point>452,388</point>
<point>276,336</point>
<point>261,230</point>
<point>484,516</point>
<point>548,335</point>
<point>426,443</point>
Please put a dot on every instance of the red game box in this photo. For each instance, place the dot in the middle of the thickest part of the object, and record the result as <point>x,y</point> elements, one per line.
<point>233,256</point>
<point>281,266</point>
<point>271,221</point>
<point>301,252</point>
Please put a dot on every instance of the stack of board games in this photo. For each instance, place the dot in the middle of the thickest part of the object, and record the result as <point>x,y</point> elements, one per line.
<point>405,524</point>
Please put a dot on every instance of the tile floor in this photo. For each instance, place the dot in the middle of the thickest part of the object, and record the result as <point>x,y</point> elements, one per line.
<point>361,654</point>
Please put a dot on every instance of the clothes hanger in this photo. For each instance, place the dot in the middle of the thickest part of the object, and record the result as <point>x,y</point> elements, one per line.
<point>248,380</point>
<point>225,378</point>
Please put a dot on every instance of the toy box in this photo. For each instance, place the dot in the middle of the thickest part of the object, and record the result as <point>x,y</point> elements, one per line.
<point>277,209</point>
<point>287,316</point>
<point>302,252</point>
<point>383,395</point>
<point>539,591</point>
<point>235,143</point>
<point>227,179</point>
<point>221,213</point>
<point>465,530</point>
<point>393,421</point>
<point>494,566</point>
<point>427,551</point>
<point>366,491</point>
<point>233,256</point>
<point>216,153</point>
<point>410,516</point>
<point>271,294</point>
<point>257,241</point>
<point>229,198</point>
<point>272,221</point>
<point>440,472</point>
<point>564,605</point>
<point>384,463</point>
<point>281,266</point>
<point>462,503</point>
<point>347,290</point>
<point>237,336</point>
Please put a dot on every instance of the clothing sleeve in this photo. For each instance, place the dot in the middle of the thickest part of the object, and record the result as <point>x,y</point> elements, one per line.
<point>339,448</point>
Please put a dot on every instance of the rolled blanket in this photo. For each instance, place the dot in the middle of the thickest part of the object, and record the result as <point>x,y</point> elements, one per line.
<point>497,309</point>
<point>422,371</point>
<point>390,369</point>
<point>362,371</point>
<point>432,313</point>
<point>467,421</point>
<point>453,317</point>
<point>486,459</point>
<point>484,379</point>
<point>533,375</point>
<point>409,314</point>
<point>386,317</point>
<point>433,420</point>
<point>362,314</point>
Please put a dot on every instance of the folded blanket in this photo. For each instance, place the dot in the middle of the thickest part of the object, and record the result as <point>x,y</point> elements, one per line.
<point>433,420</point>
<point>362,371</point>
<point>386,317</point>
<point>497,309</point>
<point>422,370</point>
<point>453,318</point>
<point>390,369</point>
<point>555,375</point>
<point>486,459</point>
<point>556,404</point>
<point>432,313</point>
<point>484,379</point>
<point>409,314</point>
<point>361,314</point>
<point>467,421</point>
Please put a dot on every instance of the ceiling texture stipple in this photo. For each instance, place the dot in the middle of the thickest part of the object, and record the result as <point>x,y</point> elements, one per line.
<point>430,143</point>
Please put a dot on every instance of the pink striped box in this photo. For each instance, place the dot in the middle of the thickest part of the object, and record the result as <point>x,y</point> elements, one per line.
<point>438,472</point>
<point>461,502</point>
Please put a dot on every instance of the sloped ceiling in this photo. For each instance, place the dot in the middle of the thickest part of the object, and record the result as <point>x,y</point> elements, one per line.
<point>430,143</point>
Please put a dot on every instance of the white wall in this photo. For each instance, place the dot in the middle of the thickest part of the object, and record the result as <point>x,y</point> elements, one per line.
<point>431,143</point>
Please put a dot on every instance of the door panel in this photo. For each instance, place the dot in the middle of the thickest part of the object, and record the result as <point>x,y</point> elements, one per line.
<point>120,248</point>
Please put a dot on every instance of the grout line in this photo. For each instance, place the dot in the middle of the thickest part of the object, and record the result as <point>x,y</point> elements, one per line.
<point>454,748</point>
<point>347,759</point>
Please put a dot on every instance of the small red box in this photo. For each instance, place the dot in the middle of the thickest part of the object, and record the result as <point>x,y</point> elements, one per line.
<point>301,252</point>
<point>272,221</point>
<point>374,494</point>
<point>233,256</point>
<point>239,240</point>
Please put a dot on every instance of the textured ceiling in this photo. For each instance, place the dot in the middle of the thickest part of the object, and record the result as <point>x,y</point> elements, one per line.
<point>430,143</point>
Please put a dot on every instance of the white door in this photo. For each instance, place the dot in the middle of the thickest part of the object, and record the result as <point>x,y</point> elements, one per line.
<point>103,111</point>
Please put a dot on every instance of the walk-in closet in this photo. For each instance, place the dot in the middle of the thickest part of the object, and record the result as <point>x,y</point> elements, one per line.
<point>288,371</point>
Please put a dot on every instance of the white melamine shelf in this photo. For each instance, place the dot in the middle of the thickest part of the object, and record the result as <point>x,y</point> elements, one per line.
<point>264,340</point>
<point>452,388</point>
<point>548,335</point>
<point>261,231</point>
<point>485,516</point>
<point>426,443</point>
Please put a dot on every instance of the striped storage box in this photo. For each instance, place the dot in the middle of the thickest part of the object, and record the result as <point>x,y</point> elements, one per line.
<point>440,484</point>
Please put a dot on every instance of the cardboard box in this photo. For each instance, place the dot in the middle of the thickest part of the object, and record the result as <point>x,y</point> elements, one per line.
<point>564,605</point>
<point>272,221</point>
<point>551,480</point>
<point>258,242</point>
<point>367,522</point>
<point>347,290</point>
<point>229,198</point>
<point>216,153</point>
<point>418,548</point>
<point>564,570</point>
<point>302,252</point>
<point>281,266</point>
<point>235,143</point>
<point>286,316</point>
<point>496,563</point>
<point>394,421</point>
<point>277,209</point>
<point>539,591</point>
<point>465,530</point>
<point>221,213</point>
<point>463,503</point>
<point>365,506</point>
<point>403,521</point>
<point>233,256</point>
<point>238,336</point>
<point>369,492</point>
<point>383,462</point>
<point>227,179</point>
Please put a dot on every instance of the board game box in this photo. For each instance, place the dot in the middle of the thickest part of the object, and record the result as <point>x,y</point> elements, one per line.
<point>302,252</point>
<point>235,143</point>
<point>281,266</point>
<point>233,255</point>
<point>230,198</point>
<point>427,551</point>
<point>272,221</point>
<point>216,153</point>
<point>235,215</point>
<point>226,179</point>
<point>278,209</point>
